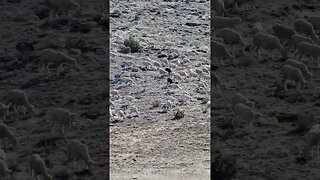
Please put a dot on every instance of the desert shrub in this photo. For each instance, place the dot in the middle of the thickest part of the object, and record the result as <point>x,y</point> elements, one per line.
<point>134,44</point>
<point>179,114</point>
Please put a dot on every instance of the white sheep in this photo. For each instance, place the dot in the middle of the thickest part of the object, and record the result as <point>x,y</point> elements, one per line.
<point>121,114</point>
<point>128,81</point>
<point>297,39</point>
<point>134,109</point>
<point>62,6</point>
<point>129,98</point>
<point>19,100</point>
<point>268,42</point>
<point>115,93</point>
<point>79,151</point>
<point>174,86</point>
<point>56,58</point>
<point>294,74</point>
<point>38,167</point>
<point>177,77</point>
<point>314,20</point>
<point>256,28</point>
<point>61,116</point>
<point>239,98</point>
<point>4,170</point>
<point>283,32</point>
<point>162,72</point>
<point>312,140</point>
<point>303,68</point>
<point>303,27</point>
<point>220,22</point>
<point>193,74</point>
<point>246,113</point>
<point>147,64</point>
<point>218,7</point>
<point>310,49</point>
<point>219,51</point>
<point>168,105</point>
<point>3,111</point>
<point>231,37</point>
<point>183,73</point>
<point>6,134</point>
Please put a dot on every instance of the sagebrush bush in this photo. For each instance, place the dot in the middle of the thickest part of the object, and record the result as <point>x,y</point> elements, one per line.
<point>134,44</point>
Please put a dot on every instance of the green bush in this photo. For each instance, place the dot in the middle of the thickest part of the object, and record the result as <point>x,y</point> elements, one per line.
<point>134,44</point>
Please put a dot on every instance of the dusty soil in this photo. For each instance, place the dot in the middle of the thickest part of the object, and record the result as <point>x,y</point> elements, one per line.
<point>273,151</point>
<point>151,145</point>
<point>25,30</point>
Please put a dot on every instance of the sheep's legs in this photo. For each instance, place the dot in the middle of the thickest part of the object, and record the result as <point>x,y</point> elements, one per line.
<point>285,85</point>
<point>250,127</point>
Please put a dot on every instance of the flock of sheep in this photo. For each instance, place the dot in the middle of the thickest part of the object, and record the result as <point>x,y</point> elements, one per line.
<point>17,100</point>
<point>175,71</point>
<point>300,38</point>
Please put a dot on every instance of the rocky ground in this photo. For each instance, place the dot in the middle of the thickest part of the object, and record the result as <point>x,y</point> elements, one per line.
<point>25,31</point>
<point>151,145</point>
<point>273,151</point>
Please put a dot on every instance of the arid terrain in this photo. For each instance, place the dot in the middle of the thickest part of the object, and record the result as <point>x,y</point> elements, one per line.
<point>150,144</point>
<point>25,31</point>
<point>273,151</point>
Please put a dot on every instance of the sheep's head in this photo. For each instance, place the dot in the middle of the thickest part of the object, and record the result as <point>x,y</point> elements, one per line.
<point>236,21</point>
<point>257,115</point>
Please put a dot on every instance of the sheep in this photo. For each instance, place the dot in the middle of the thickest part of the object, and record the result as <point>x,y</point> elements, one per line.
<point>4,171</point>
<point>296,39</point>
<point>129,98</point>
<point>174,86</point>
<point>314,20</point>
<point>183,73</point>
<point>256,28</point>
<point>311,49</point>
<point>121,114</point>
<point>268,42</point>
<point>219,51</point>
<point>38,167</point>
<point>57,58</point>
<point>303,68</point>
<point>239,98</point>
<point>243,112</point>
<point>303,27</point>
<point>312,139</point>
<point>115,93</point>
<point>3,111</point>
<point>294,74</point>
<point>61,116</point>
<point>18,99</point>
<point>128,81</point>
<point>6,134</point>
<point>168,105</point>
<point>62,6</point>
<point>177,77</point>
<point>134,109</point>
<point>218,7</point>
<point>283,32</point>
<point>78,151</point>
<point>220,22</point>
<point>193,74</point>
<point>232,37</point>
<point>147,64</point>
<point>162,72</point>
